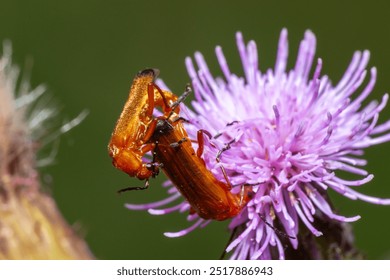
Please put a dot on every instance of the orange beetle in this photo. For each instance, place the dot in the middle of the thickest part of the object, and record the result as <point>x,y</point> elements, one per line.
<point>138,132</point>
<point>129,139</point>
<point>208,197</point>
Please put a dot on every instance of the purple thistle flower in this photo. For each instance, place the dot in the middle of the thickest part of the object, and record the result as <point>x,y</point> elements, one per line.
<point>290,134</point>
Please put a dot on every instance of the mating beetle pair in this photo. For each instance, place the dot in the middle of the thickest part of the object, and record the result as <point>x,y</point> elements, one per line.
<point>138,132</point>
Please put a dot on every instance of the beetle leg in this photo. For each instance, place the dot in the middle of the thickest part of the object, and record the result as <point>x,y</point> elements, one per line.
<point>150,99</point>
<point>218,159</point>
<point>235,232</point>
<point>177,144</point>
<point>242,195</point>
<point>149,131</point>
<point>221,133</point>
<point>164,104</point>
<point>199,152</point>
<point>135,188</point>
<point>151,166</point>
<point>154,166</point>
<point>167,100</point>
<point>224,149</point>
<point>180,119</point>
<point>160,98</point>
<point>231,123</point>
<point>277,231</point>
<point>200,139</point>
<point>181,98</point>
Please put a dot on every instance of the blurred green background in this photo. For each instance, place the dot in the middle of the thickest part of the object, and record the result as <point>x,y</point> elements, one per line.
<point>87,52</point>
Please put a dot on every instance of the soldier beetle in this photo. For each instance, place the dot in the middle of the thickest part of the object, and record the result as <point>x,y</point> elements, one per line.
<point>129,139</point>
<point>208,197</point>
<point>138,132</point>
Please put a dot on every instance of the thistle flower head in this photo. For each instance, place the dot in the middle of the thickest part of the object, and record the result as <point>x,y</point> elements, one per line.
<point>31,227</point>
<point>288,133</point>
